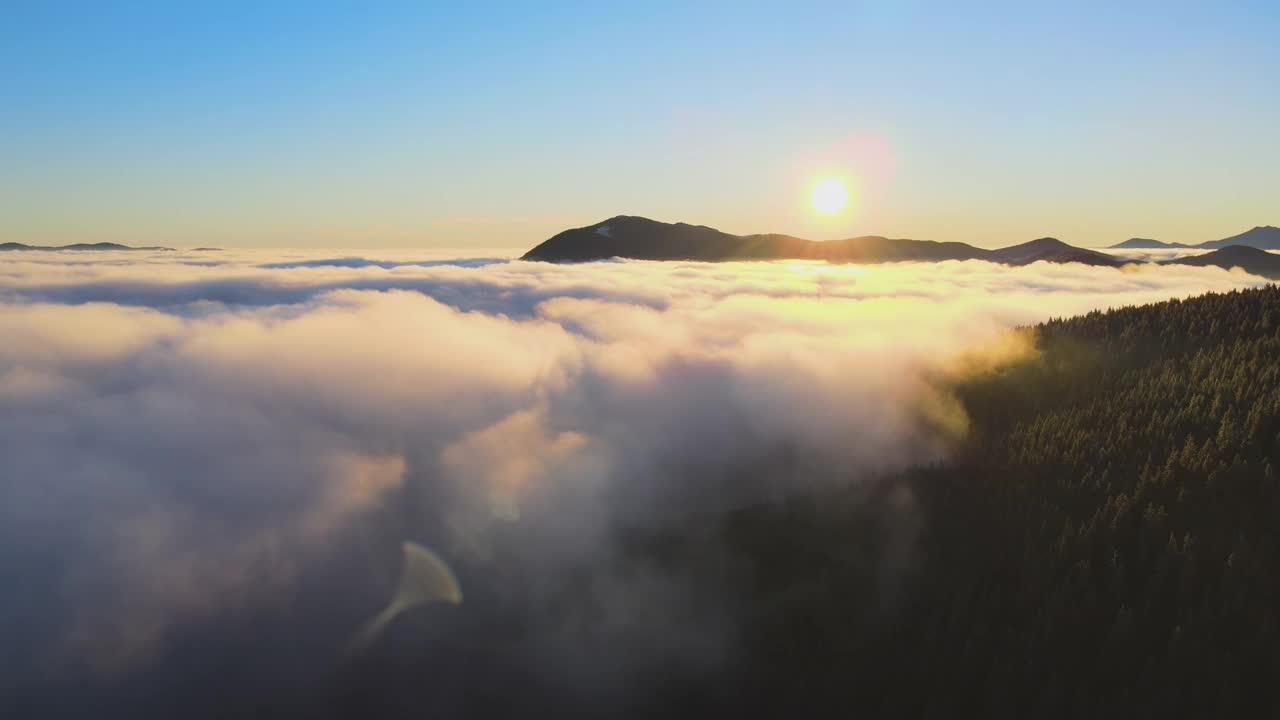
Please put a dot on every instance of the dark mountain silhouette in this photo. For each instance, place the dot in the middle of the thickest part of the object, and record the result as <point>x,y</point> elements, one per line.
<point>1265,237</point>
<point>644,239</point>
<point>78,246</point>
<point>1146,244</point>
<point>1050,250</point>
<point>873,248</point>
<point>1250,259</point>
<point>640,238</point>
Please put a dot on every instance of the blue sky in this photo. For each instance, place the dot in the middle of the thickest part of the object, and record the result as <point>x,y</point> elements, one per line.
<point>332,124</point>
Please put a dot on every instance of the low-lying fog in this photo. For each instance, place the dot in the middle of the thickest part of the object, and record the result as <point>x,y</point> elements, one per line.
<point>209,460</point>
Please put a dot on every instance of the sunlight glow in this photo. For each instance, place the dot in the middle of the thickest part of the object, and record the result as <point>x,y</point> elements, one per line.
<point>829,196</point>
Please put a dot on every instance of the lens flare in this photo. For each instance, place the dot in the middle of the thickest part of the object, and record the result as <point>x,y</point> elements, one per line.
<point>425,579</point>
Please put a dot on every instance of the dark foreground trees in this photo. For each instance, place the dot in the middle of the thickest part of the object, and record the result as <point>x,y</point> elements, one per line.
<point>1105,544</point>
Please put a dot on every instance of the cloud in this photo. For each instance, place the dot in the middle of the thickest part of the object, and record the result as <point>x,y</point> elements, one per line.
<point>359,262</point>
<point>189,446</point>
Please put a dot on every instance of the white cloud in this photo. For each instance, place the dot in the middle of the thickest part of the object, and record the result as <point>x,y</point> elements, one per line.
<point>180,432</point>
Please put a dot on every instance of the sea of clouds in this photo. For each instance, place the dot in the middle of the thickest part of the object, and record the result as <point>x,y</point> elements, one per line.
<point>208,460</point>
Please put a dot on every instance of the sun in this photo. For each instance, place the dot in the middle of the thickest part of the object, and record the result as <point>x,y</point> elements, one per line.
<point>829,196</point>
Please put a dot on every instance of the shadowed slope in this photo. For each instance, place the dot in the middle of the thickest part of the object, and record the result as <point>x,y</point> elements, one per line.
<point>1050,250</point>
<point>1264,237</point>
<point>80,246</point>
<point>640,238</point>
<point>1250,259</point>
<point>1146,244</point>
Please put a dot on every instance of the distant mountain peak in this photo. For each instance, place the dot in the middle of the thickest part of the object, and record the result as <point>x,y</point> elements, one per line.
<point>1241,251</point>
<point>1146,244</point>
<point>640,238</point>
<point>1252,260</point>
<point>98,246</point>
<point>1044,242</point>
<point>1266,237</point>
<point>1050,249</point>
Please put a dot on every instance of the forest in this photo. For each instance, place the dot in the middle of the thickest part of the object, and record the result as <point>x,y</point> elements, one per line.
<point>1104,544</point>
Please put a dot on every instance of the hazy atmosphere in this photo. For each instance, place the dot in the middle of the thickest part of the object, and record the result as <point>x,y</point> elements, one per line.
<point>862,359</point>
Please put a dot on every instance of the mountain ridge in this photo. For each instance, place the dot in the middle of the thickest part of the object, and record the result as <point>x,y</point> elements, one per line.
<point>640,238</point>
<point>1262,237</point>
<point>1252,260</point>
<point>1146,244</point>
<point>100,246</point>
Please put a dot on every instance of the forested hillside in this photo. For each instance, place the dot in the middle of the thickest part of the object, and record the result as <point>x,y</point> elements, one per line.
<point>1106,544</point>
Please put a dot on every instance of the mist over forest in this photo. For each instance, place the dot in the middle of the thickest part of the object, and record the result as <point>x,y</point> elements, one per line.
<point>826,359</point>
<point>675,487</point>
